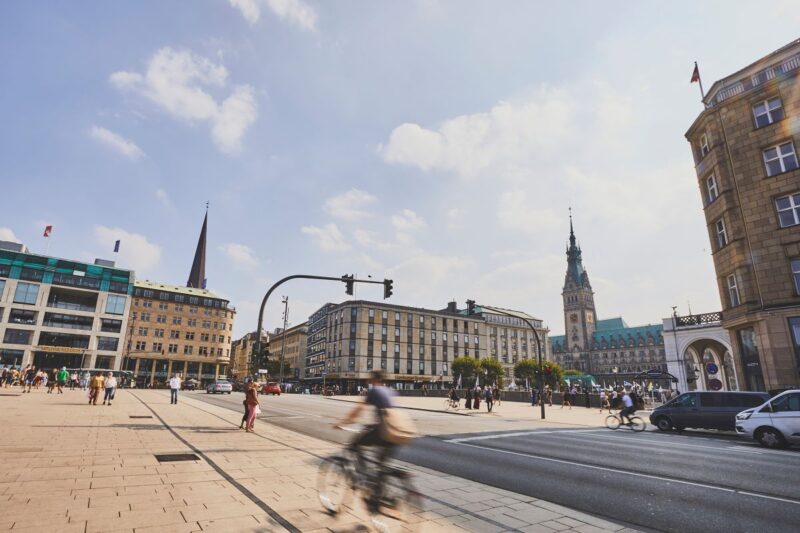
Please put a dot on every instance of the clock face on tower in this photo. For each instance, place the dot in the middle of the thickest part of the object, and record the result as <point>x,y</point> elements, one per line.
<point>589,316</point>
<point>573,317</point>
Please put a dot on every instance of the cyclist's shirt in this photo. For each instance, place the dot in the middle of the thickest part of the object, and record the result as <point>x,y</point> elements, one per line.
<point>626,400</point>
<point>380,397</point>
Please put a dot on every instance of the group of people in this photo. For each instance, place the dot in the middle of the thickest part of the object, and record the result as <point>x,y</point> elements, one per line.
<point>546,396</point>
<point>56,379</point>
<point>474,395</point>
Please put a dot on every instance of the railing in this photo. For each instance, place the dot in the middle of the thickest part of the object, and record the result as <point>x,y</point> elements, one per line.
<point>756,80</point>
<point>698,320</point>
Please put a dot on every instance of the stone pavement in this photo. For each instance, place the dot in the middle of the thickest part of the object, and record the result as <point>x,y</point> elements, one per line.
<point>520,411</point>
<point>68,466</point>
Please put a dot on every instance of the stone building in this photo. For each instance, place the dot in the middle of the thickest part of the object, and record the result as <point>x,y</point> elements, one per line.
<point>745,150</point>
<point>294,352</point>
<point>412,345</point>
<point>241,352</point>
<point>608,349</point>
<point>59,312</point>
<point>179,330</point>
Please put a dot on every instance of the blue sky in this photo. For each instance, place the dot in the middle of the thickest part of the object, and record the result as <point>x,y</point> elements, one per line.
<point>438,143</point>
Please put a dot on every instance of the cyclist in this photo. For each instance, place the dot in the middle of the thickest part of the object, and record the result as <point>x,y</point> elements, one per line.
<point>627,408</point>
<point>379,397</point>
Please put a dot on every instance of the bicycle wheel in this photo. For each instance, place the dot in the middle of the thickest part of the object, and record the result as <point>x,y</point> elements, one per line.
<point>334,484</point>
<point>612,422</point>
<point>637,424</point>
<point>400,504</point>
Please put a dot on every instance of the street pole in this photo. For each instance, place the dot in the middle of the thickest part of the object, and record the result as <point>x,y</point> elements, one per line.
<point>283,335</point>
<point>538,347</point>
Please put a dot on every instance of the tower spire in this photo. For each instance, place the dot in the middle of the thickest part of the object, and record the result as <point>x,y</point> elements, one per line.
<point>197,276</point>
<point>571,231</point>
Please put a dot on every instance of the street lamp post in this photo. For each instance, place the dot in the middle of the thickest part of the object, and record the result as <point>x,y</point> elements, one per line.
<point>471,304</point>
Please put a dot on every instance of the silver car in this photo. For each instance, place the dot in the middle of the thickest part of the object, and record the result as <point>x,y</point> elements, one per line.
<point>219,386</point>
<point>775,424</point>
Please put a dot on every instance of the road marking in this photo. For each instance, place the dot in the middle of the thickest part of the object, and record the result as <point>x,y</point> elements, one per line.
<point>520,434</point>
<point>653,442</point>
<point>631,473</point>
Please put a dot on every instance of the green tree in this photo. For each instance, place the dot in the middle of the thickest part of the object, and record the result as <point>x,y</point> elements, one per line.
<point>492,371</point>
<point>526,368</point>
<point>529,368</point>
<point>465,367</point>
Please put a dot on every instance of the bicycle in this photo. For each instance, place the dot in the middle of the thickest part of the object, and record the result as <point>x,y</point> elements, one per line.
<point>450,403</point>
<point>348,472</point>
<point>614,421</point>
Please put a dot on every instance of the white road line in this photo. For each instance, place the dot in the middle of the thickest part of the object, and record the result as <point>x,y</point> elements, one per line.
<point>521,434</point>
<point>653,442</point>
<point>630,473</point>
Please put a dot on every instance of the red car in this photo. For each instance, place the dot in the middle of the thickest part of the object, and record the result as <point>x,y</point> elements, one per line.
<point>271,388</point>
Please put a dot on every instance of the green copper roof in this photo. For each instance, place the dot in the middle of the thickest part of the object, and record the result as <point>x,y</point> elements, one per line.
<point>611,323</point>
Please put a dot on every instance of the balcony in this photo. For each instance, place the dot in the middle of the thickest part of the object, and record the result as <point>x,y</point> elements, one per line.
<point>753,81</point>
<point>693,321</point>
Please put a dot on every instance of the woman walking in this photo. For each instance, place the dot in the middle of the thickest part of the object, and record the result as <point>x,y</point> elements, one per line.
<point>604,403</point>
<point>111,387</point>
<point>565,399</point>
<point>476,399</point>
<point>468,396</point>
<point>251,397</point>
<point>95,386</point>
<point>489,398</point>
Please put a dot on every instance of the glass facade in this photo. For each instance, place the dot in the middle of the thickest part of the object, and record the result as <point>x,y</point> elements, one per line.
<point>26,293</point>
<point>115,305</point>
<point>750,360</point>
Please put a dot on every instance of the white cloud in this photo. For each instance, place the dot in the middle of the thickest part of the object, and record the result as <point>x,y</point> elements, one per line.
<point>163,197</point>
<point>7,235</point>
<point>408,220</point>
<point>455,218</point>
<point>295,12</point>
<point>176,80</point>
<point>516,211</point>
<point>241,255</point>
<point>116,142</point>
<point>328,237</point>
<point>350,205</point>
<point>135,252</point>
<point>249,9</point>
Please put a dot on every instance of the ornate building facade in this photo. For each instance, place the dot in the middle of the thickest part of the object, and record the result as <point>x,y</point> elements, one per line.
<point>608,349</point>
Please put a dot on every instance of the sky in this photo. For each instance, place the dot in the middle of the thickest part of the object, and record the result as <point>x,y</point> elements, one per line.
<point>437,143</point>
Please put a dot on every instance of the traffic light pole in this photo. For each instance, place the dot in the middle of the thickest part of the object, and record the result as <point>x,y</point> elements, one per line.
<point>471,304</point>
<point>347,280</point>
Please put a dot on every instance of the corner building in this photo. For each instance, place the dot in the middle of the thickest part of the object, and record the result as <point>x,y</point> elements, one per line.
<point>412,345</point>
<point>57,312</point>
<point>745,152</point>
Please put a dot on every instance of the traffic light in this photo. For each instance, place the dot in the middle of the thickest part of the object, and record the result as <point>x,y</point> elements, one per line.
<point>470,307</point>
<point>348,281</point>
<point>387,288</point>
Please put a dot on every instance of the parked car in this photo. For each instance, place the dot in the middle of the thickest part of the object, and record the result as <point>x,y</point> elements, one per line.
<point>775,424</point>
<point>190,384</point>
<point>271,388</point>
<point>219,386</point>
<point>707,410</point>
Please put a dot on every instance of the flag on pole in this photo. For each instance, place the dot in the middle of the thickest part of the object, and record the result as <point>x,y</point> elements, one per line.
<point>48,230</point>
<point>116,246</point>
<point>527,385</point>
<point>695,74</point>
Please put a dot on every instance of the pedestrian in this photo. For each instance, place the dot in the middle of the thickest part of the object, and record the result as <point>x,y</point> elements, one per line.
<point>614,399</point>
<point>468,396</point>
<point>30,378</point>
<point>246,410</point>
<point>565,399</point>
<point>61,379</point>
<point>425,390</point>
<point>496,395</point>
<point>573,396</point>
<point>174,387</point>
<point>96,384</point>
<point>604,403</point>
<point>85,380</point>
<point>111,387</point>
<point>586,398</point>
<point>253,409</point>
<point>11,375</point>
<point>73,380</point>
<point>489,399</point>
<point>533,397</point>
<point>41,375</point>
<point>476,399</point>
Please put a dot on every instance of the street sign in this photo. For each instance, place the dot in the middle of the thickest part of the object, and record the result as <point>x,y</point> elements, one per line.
<point>714,384</point>
<point>323,373</point>
<point>654,374</point>
<point>263,371</point>
<point>712,368</point>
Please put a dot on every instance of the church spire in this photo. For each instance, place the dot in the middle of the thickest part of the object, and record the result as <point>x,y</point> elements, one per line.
<point>575,270</point>
<point>197,277</point>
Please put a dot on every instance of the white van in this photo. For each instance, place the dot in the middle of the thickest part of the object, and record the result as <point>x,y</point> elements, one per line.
<point>775,424</point>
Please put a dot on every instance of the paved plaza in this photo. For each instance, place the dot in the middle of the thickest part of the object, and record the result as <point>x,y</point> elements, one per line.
<point>69,466</point>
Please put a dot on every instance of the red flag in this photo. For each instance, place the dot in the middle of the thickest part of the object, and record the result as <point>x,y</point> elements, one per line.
<point>695,74</point>
<point>48,230</point>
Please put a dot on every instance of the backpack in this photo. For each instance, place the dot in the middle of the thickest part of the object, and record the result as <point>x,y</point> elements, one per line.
<point>397,427</point>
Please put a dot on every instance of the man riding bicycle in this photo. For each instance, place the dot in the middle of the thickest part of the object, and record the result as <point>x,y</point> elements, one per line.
<point>627,408</point>
<point>379,397</point>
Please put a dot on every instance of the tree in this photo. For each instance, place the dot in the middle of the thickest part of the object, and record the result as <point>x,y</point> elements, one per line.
<point>529,368</point>
<point>465,367</point>
<point>492,371</point>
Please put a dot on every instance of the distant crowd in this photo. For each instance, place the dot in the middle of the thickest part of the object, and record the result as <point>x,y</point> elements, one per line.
<point>56,380</point>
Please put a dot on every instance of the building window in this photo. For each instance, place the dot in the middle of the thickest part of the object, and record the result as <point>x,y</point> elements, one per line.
<point>17,336</point>
<point>140,345</point>
<point>115,305</point>
<point>174,334</point>
<point>397,317</point>
<point>107,343</point>
<point>733,290</point>
<point>711,189</point>
<point>384,315</point>
<point>788,210</point>
<point>187,350</point>
<point>371,329</point>
<point>767,112</point>
<point>704,148</point>
<point>722,234</point>
<point>372,313</point>
<point>781,158</point>
<point>172,348</point>
<point>26,293</point>
<point>796,275</point>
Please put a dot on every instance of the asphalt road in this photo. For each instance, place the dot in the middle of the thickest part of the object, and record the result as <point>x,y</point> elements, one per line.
<point>650,480</point>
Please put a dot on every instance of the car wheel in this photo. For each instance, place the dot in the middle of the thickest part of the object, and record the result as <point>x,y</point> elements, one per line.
<point>229,392</point>
<point>208,391</point>
<point>664,423</point>
<point>770,438</point>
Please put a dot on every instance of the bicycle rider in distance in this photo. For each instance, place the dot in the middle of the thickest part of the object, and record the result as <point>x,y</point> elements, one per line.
<point>379,397</point>
<point>627,408</point>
